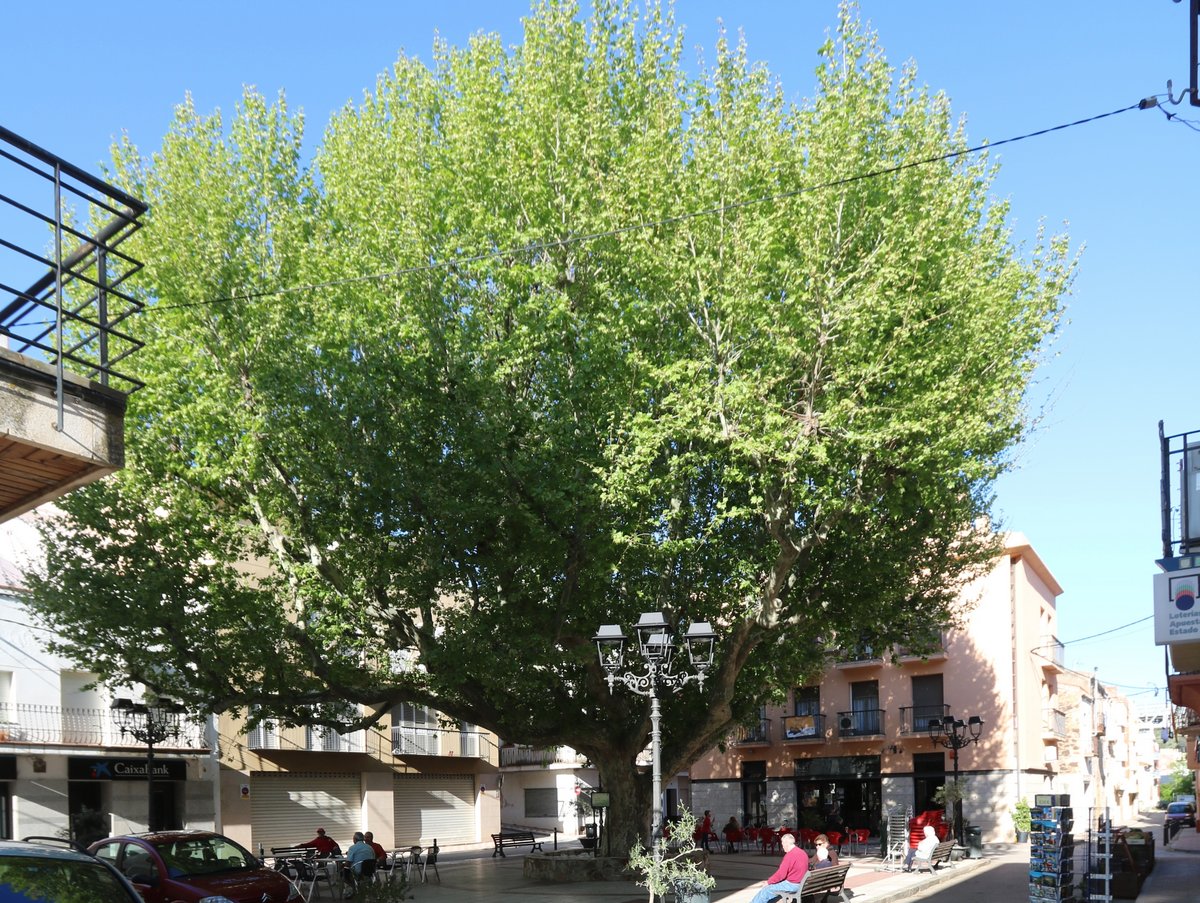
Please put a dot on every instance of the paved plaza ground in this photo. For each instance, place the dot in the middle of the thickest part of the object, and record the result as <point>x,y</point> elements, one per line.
<point>473,876</point>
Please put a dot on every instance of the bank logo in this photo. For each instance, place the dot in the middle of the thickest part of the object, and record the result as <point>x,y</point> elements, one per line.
<point>100,770</point>
<point>1183,592</point>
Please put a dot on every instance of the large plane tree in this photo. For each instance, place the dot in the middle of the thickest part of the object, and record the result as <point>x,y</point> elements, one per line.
<point>540,338</point>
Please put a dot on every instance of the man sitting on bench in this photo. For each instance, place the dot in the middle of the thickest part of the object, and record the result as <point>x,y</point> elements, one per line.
<point>790,873</point>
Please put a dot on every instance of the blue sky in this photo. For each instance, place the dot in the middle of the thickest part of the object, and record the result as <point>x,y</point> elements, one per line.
<point>1086,488</point>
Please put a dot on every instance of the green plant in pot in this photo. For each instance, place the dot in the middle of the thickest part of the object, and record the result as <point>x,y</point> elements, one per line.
<point>1022,820</point>
<point>675,863</point>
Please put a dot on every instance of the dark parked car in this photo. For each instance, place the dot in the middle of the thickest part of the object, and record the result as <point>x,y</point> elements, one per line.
<point>194,866</point>
<point>36,872</point>
<point>1183,813</point>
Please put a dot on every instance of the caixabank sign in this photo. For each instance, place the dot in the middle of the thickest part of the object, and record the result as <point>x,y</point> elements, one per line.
<point>1176,613</point>
<point>97,768</point>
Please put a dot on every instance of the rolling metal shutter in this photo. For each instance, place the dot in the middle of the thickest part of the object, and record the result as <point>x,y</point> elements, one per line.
<point>287,808</point>
<point>434,806</point>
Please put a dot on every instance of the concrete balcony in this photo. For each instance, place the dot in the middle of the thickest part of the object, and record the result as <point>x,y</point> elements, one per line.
<point>1054,724</point>
<point>1052,654</point>
<point>859,657</point>
<point>423,740</point>
<point>305,738</point>
<point>521,756</point>
<point>64,336</point>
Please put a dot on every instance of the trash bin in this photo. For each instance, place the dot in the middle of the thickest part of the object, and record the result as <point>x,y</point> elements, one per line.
<point>974,842</point>
<point>588,840</point>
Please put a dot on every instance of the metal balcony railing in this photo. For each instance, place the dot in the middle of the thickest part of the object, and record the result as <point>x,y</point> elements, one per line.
<point>423,740</point>
<point>915,719</point>
<point>858,656</point>
<point>23,724</point>
<point>759,733</point>
<point>543,756</point>
<point>803,727</point>
<point>932,646</point>
<point>63,229</point>
<point>1052,652</point>
<point>1054,722</point>
<point>861,723</point>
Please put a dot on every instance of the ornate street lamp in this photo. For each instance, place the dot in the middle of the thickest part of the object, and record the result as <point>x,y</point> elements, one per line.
<point>150,723</point>
<point>656,647</point>
<point>955,734</point>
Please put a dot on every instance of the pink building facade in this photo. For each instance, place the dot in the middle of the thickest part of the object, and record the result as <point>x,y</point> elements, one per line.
<point>857,743</point>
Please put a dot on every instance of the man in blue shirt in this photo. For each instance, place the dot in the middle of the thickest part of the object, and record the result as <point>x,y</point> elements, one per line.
<point>360,852</point>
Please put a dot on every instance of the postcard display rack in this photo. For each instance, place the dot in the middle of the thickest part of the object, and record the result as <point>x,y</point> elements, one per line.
<point>1051,849</point>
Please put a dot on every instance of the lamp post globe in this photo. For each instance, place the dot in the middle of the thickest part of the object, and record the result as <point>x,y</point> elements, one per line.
<point>955,734</point>
<point>659,669</point>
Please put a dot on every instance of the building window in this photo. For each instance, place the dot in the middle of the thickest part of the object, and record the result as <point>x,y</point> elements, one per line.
<point>541,802</point>
<point>807,700</point>
<point>929,704</point>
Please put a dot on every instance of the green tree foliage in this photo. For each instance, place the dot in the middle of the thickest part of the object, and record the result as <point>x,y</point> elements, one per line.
<point>544,337</point>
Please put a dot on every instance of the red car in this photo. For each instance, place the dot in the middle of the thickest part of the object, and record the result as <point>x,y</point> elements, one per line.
<point>193,867</point>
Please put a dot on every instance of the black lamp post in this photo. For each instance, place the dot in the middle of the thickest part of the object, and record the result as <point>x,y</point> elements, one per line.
<point>656,645</point>
<point>149,723</point>
<point>954,734</point>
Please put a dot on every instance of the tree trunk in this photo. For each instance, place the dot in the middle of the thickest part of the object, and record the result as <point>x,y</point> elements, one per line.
<point>628,818</point>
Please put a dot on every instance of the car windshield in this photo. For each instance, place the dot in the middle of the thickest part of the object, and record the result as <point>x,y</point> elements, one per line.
<point>1178,808</point>
<point>203,856</point>
<point>38,879</point>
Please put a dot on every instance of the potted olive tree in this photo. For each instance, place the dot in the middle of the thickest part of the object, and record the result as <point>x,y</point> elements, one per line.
<point>1022,820</point>
<point>674,864</point>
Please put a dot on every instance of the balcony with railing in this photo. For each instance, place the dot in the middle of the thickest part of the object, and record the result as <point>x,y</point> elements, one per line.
<point>924,648</point>
<point>803,728</point>
<point>915,719</point>
<point>22,724</point>
<point>1054,723</point>
<point>862,655</point>
<point>1052,653</point>
<point>305,738</point>
<point>864,723</point>
<point>429,740</point>
<point>757,734</point>
<point>519,755</point>
<point>65,308</point>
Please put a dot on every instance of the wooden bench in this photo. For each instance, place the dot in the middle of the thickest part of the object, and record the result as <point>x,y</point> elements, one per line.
<point>940,854</point>
<point>819,881</point>
<point>514,839</point>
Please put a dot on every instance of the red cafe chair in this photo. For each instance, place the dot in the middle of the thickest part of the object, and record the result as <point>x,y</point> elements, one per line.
<point>835,840</point>
<point>858,837</point>
<point>807,837</point>
<point>768,839</point>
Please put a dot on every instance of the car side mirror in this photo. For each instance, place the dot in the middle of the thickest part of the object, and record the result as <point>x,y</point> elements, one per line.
<point>147,878</point>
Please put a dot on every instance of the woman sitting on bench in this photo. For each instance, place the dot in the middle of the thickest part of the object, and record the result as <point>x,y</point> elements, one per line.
<point>924,849</point>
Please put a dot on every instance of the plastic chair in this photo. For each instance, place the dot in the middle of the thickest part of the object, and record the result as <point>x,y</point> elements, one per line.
<point>858,837</point>
<point>733,837</point>
<point>808,837</point>
<point>751,835</point>
<point>768,839</point>
<point>835,840</point>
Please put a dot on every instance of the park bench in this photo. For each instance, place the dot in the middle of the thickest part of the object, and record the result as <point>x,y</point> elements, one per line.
<point>939,854</point>
<point>514,839</point>
<point>819,881</point>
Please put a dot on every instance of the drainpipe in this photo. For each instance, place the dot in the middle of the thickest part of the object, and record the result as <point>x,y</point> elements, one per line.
<point>1016,721</point>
